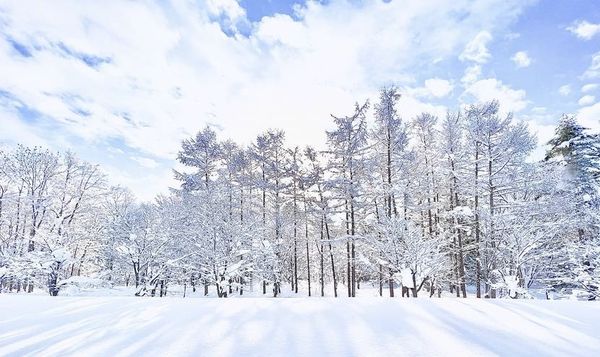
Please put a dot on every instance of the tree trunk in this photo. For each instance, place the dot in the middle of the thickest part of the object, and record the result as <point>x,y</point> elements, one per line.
<point>335,294</point>
<point>380,280</point>
<point>295,277</point>
<point>391,282</point>
<point>53,278</point>
<point>308,264</point>
<point>477,238</point>
<point>348,269</point>
<point>461,267</point>
<point>353,269</point>
<point>322,262</point>
<point>414,289</point>
<point>491,233</point>
<point>353,255</point>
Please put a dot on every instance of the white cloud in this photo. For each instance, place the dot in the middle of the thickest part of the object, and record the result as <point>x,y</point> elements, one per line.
<point>538,110</point>
<point>586,100</point>
<point>589,117</point>
<point>593,70</point>
<point>511,100</point>
<point>169,67</point>
<point>472,73</point>
<point>589,87</point>
<point>584,30</point>
<point>410,107</point>
<point>145,185</point>
<point>15,131</point>
<point>438,87</point>
<point>432,88</point>
<point>229,14</point>
<point>115,150</point>
<point>564,90</point>
<point>543,133</point>
<point>521,59</point>
<point>476,50</point>
<point>146,162</point>
<point>229,8</point>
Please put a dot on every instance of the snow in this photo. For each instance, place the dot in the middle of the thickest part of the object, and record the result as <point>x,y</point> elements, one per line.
<point>122,326</point>
<point>61,255</point>
<point>462,211</point>
<point>407,280</point>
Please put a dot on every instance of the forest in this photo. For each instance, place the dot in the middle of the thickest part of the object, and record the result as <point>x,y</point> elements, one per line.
<point>430,206</point>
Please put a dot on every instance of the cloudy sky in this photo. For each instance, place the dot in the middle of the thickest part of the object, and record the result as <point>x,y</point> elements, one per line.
<point>121,83</point>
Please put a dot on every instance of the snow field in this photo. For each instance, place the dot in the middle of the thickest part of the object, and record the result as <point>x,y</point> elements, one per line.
<point>128,326</point>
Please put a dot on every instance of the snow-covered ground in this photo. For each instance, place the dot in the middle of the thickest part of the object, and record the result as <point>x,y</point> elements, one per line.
<point>107,326</point>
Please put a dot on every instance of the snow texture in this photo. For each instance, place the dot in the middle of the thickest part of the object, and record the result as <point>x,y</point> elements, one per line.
<point>124,326</point>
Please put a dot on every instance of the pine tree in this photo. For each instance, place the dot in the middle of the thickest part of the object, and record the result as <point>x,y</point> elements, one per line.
<point>576,154</point>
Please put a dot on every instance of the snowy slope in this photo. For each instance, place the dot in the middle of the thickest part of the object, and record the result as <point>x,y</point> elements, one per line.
<point>106,326</point>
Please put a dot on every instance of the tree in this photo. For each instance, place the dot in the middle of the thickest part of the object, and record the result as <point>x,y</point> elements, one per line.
<point>348,149</point>
<point>500,149</point>
<point>575,155</point>
<point>454,157</point>
<point>391,156</point>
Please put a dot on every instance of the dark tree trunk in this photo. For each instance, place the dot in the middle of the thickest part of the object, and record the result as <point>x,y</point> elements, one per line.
<point>414,279</point>
<point>391,282</point>
<point>295,277</point>
<point>477,238</point>
<point>322,262</point>
<point>308,266</point>
<point>52,280</point>
<point>348,270</point>
<point>353,269</point>
<point>353,255</point>
<point>491,233</point>
<point>162,288</point>
<point>380,280</point>
<point>335,293</point>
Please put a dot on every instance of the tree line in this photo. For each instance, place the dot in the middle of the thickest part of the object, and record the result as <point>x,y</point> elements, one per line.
<point>426,204</point>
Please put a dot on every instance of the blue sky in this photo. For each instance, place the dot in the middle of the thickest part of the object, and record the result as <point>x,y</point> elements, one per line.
<point>122,83</point>
<point>257,9</point>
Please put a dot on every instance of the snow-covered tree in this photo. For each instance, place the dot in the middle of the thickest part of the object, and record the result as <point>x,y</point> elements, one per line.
<point>575,155</point>
<point>347,149</point>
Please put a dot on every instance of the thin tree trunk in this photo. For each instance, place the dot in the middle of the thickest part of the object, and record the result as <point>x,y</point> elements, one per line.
<point>307,256</point>
<point>295,242</point>
<point>322,262</point>
<point>380,280</point>
<point>353,250</point>
<point>333,270</point>
<point>348,270</point>
<point>491,233</point>
<point>391,282</point>
<point>414,279</point>
<point>461,259</point>
<point>477,238</point>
